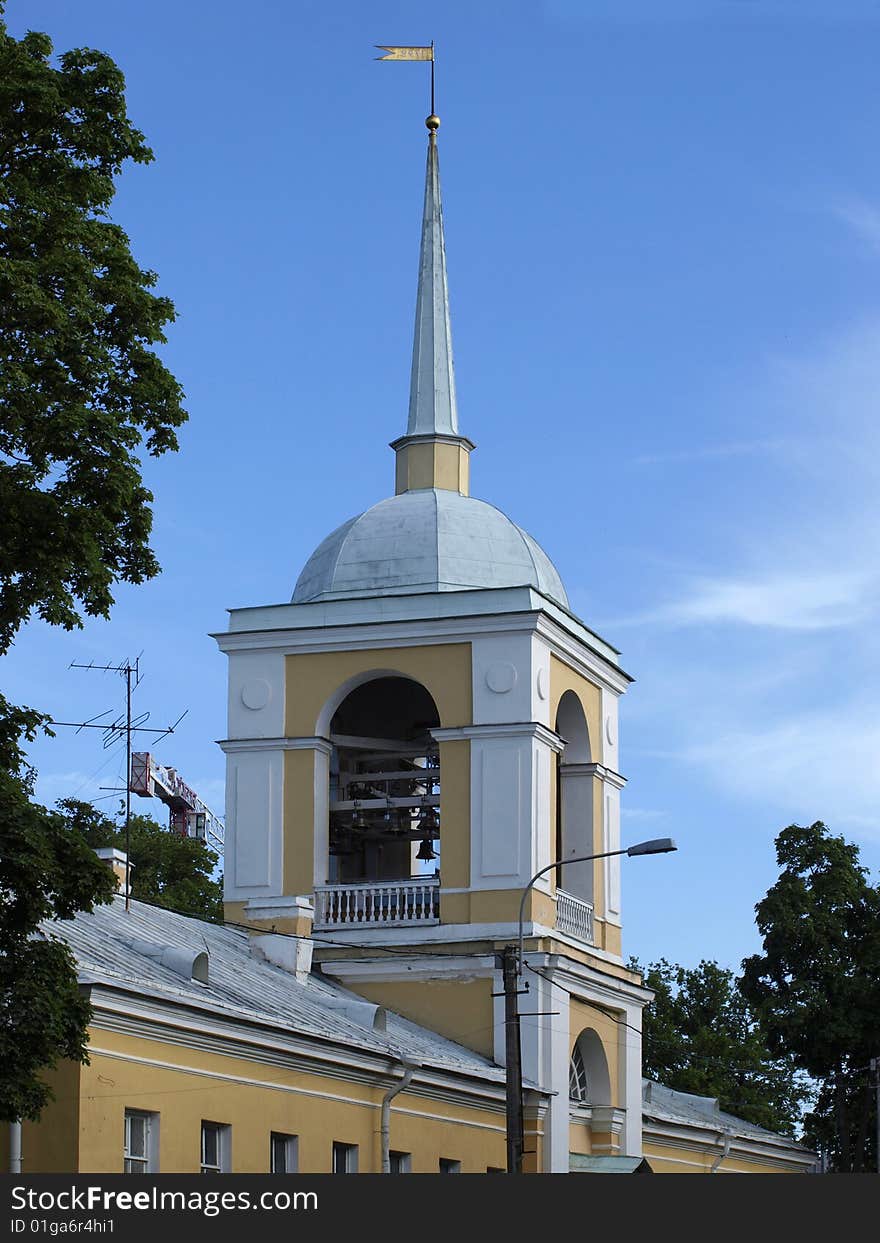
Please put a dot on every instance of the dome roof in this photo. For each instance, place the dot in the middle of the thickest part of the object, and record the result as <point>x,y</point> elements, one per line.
<point>427,540</point>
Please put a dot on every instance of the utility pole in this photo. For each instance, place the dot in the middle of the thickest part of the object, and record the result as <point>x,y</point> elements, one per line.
<point>513,1055</point>
<point>875,1069</point>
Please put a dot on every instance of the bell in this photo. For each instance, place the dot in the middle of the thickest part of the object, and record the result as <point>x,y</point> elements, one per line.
<point>425,850</point>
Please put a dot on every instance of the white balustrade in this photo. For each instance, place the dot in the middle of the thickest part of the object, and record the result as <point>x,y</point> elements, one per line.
<point>378,903</point>
<point>574,916</point>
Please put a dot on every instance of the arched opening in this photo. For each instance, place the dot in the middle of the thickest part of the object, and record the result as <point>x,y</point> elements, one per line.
<point>589,1082</point>
<point>574,799</point>
<point>384,820</point>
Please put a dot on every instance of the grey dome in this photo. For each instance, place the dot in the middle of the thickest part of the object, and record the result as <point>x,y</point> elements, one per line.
<point>427,540</point>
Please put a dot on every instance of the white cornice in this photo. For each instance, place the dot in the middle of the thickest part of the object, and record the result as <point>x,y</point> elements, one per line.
<point>582,976</point>
<point>232,746</point>
<point>595,770</point>
<point>514,729</point>
<point>423,967</point>
<point>582,657</point>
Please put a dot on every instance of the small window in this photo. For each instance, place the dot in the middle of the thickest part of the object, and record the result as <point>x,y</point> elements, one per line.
<point>216,1148</point>
<point>282,1153</point>
<point>141,1148</point>
<point>448,1166</point>
<point>345,1158</point>
<point>578,1087</point>
<point>495,1169</point>
<point>400,1162</point>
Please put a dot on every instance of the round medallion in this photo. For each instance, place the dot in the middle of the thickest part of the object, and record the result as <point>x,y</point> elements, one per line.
<point>501,677</point>
<point>542,683</point>
<point>256,694</point>
<point>609,730</point>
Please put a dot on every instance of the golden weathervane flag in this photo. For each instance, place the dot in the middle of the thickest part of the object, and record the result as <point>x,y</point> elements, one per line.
<point>405,53</point>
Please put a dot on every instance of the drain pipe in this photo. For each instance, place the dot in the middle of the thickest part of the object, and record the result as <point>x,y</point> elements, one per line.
<point>409,1070</point>
<point>15,1147</point>
<point>725,1151</point>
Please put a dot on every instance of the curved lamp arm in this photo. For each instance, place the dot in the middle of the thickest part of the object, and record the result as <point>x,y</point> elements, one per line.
<point>656,846</point>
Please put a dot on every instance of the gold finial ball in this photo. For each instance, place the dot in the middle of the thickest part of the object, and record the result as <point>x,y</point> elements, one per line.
<point>432,122</point>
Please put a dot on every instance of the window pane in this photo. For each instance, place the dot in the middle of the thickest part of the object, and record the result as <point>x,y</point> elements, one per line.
<point>137,1135</point>
<point>283,1153</point>
<point>212,1147</point>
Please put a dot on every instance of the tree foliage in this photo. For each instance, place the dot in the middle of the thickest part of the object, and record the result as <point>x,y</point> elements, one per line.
<point>167,869</point>
<point>82,394</point>
<point>80,387</point>
<point>816,986</point>
<point>701,1035</point>
<point>46,873</point>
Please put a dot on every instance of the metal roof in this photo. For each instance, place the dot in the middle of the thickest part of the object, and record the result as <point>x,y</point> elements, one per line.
<point>427,540</point>
<point>686,1108</point>
<point>109,945</point>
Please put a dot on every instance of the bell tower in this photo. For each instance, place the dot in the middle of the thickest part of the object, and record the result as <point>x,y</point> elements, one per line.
<point>421,729</point>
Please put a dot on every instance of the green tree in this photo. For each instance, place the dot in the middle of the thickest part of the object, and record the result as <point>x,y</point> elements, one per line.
<point>167,869</point>
<point>82,394</point>
<point>816,986</point>
<point>46,873</point>
<point>80,387</point>
<point>701,1035</point>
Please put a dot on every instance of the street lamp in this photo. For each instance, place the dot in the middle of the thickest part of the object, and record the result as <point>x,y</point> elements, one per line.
<point>512,970</point>
<point>656,846</point>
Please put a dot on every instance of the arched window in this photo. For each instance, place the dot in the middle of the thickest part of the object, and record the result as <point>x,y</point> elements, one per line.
<point>578,1087</point>
<point>384,783</point>
<point>589,1082</point>
<point>574,799</point>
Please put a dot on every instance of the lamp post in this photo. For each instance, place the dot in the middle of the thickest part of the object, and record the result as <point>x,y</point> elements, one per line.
<point>512,968</point>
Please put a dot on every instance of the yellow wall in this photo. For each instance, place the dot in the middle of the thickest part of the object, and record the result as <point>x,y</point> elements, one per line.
<point>432,464</point>
<point>299,821</point>
<point>671,1158</point>
<point>49,1149</point>
<point>186,1086</point>
<point>461,1011</point>
<point>444,669</point>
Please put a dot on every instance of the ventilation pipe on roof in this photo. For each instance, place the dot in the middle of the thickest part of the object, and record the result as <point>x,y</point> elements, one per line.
<point>409,1069</point>
<point>364,1013</point>
<point>188,963</point>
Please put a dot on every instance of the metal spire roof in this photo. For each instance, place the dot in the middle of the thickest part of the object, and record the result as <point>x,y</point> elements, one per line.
<point>432,408</point>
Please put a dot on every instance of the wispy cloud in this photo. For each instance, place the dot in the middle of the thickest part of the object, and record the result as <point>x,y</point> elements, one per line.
<point>707,453</point>
<point>784,601</point>
<point>860,216</point>
<point>804,764</point>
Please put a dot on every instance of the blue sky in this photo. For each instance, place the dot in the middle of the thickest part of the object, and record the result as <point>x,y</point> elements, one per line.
<point>663,233</point>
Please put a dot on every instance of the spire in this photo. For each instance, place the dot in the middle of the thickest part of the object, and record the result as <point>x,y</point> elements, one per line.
<point>432,454</point>
<point>432,386</point>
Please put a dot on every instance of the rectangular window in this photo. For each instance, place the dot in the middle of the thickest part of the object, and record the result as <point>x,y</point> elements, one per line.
<point>400,1162</point>
<point>345,1158</point>
<point>448,1166</point>
<point>216,1148</point>
<point>283,1153</point>
<point>141,1143</point>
